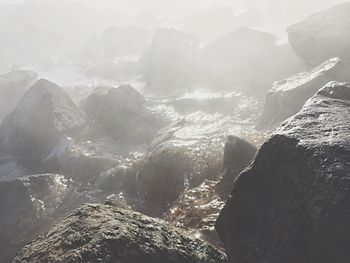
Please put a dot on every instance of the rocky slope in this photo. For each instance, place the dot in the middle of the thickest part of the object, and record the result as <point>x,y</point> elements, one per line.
<point>98,233</point>
<point>291,204</point>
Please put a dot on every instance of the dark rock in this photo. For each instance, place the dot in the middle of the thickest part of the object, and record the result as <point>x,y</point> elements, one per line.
<point>247,60</point>
<point>170,63</point>
<point>98,233</point>
<point>125,40</point>
<point>122,112</point>
<point>323,35</point>
<point>238,154</point>
<point>37,130</point>
<point>291,204</point>
<point>287,97</point>
<point>23,204</point>
<point>12,86</point>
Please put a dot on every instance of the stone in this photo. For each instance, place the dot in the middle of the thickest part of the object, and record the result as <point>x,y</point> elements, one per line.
<point>291,204</point>
<point>287,97</point>
<point>322,35</point>
<point>99,233</point>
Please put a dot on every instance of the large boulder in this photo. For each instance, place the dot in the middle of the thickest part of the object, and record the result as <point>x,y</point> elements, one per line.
<point>99,233</point>
<point>247,60</point>
<point>323,35</point>
<point>123,113</point>
<point>292,203</point>
<point>12,86</point>
<point>287,97</point>
<point>170,63</point>
<point>38,130</point>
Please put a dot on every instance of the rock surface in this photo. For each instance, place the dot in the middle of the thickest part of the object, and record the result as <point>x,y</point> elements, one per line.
<point>38,129</point>
<point>291,205</point>
<point>247,60</point>
<point>238,153</point>
<point>287,97</point>
<point>12,86</point>
<point>98,233</point>
<point>323,35</point>
<point>170,63</point>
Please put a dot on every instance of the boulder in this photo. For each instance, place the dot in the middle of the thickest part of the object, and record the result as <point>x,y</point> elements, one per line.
<point>38,130</point>
<point>238,153</point>
<point>287,97</point>
<point>99,233</point>
<point>122,112</point>
<point>12,86</point>
<point>246,60</point>
<point>323,35</point>
<point>291,204</point>
<point>129,40</point>
<point>170,63</point>
<point>23,204</point>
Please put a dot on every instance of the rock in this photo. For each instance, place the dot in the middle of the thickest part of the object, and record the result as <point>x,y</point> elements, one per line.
<point>291,204</point>
<point>170,63</point>
<point>238,154</point>
<point>246,60</point>
<point>198,208</point>
<point>12,86</point>
<point>23,205</point>
<point>323,35</point>
<point>122,112</point>
<point>98,233</point>
<point>287,97</point>
<point>119,41</point>
<point>37,130</point>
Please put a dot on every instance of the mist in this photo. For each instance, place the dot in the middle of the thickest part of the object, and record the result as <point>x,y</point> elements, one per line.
<point>166,131</point>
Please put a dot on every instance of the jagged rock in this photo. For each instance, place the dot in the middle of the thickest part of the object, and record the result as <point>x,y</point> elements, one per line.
<point>291,204</point>
<point>23,204</point>
<point>170,63</point>
<point>247,60</point>
<point>98,233</point>
<point>323,35</point>
<point>12,86</point>
<point>287,97</point>
<point>125,40</point>
<point>122,112</point>
<point>37,130</point>
<point>238,154</point>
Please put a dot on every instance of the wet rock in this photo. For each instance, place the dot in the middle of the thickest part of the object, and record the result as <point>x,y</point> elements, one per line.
<point>98,233</point>
<point>119,41</point>
<point>23,204</point>
<point>197,209</point>
<point>122,112</point>
<point>247,60</point>
<point>291,204</point>
<point>287,97</point>
<point>170,63</point>
<point>12,86</point>
<point>323,35</point>
<point>238,154</point>
<point>37,130</point>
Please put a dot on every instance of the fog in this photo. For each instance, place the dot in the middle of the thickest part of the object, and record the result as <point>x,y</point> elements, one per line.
<point>167,131</point>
